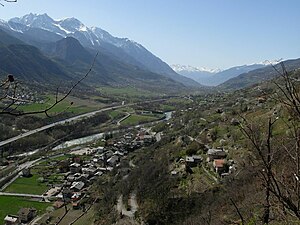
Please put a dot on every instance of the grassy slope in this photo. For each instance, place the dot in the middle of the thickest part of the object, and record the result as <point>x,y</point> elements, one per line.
<point>27,186</point>
<point>136,119</point>
<point>115,114</point>
<point>79,105</point>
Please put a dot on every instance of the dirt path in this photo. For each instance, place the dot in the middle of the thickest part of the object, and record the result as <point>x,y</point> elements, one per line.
<point>132,204</point>
<point>210,175</point>
<point>131,164</point>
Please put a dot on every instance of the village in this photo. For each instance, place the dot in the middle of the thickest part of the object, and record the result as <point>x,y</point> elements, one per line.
<point>67,178</point>
<point>75,172</point>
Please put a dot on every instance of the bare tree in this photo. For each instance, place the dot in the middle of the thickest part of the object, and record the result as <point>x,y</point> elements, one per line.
<point>279,156</point>
<point>10,1</point>
<point>262,143</point>
<point>10,97</point>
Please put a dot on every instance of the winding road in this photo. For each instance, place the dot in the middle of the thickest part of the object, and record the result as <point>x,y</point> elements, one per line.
<point>124,118</point>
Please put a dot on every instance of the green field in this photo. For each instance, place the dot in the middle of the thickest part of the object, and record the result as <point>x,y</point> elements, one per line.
<point>167,107</point>
<point>87,219</point>
<point>28,185</point>
<point>11,205</point>
<point>79,105</point>
<point>137,119</point>
<point>115,114</point>
<point>62,107</point>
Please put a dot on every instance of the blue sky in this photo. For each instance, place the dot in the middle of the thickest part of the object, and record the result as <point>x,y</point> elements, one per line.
<point>210,33</point>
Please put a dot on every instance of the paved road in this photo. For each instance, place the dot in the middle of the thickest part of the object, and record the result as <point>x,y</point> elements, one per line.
<point>124,118</point>
<point>35,220</point>
<point>10,182</point>
<point>75,118</point>
<point>27,164</point>
<point>21,195</point>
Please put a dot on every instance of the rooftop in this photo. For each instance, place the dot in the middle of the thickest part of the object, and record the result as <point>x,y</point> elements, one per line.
<point>219,163</point>
<point>11,218</point>
<point>216,151</point>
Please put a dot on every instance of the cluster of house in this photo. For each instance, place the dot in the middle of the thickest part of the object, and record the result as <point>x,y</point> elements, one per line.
<point>24,216</point>
<point>222,166</point>
<point>192,161</point>
<point>25,98</point>
<point>143,138</point>
<point>79,173</point>
<point>216,159</point>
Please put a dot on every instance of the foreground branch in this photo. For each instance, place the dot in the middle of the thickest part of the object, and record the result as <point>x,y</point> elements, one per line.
<point>10,1</point>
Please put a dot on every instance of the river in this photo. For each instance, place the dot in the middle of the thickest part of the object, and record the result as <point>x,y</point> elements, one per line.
<point>79,141</point>
<point>95,137</point>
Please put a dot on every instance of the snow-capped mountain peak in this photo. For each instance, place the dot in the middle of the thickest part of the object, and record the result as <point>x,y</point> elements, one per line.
<point>188,68</point>
<point>265,62</point>
<point>33,20</point>
<point>71,25</point>
<point>63,27</point>
<point>42,28</point>
<point>93,36</point>
<point>3,21</point>
<point>271,62</point>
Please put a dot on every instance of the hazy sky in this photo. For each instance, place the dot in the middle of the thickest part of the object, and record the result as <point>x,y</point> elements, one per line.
<point>210,33</point>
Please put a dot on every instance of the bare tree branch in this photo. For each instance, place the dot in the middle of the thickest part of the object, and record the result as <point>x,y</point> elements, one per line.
<point>280,161</point>
<point>10,1</point>
<point>238,212</point>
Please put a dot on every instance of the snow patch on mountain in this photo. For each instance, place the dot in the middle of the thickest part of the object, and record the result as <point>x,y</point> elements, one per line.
<point>4,24</point>
<point>83,28</point>
<point>265,62</point>
<point>61,28</point>
<point>193,69</point>
<point>271,62</point>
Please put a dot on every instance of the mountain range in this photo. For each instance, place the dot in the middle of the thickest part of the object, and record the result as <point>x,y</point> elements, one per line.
<point>215,77</point>
<point>259,75</point>
<point>71,46</point>
<point>27,62</point>
<point>40,49</point>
